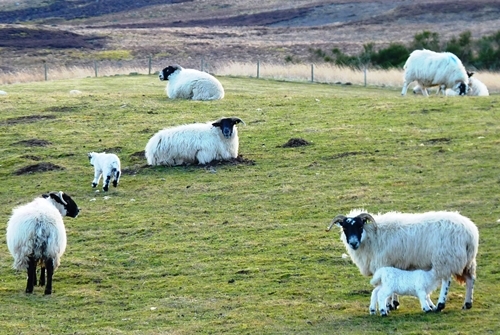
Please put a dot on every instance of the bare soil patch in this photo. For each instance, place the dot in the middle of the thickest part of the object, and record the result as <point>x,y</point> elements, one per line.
<point>240,160</point>
<point>295,142</point>
<point>33,158</point>
<point>34,142</point>
<point>62,109</point>
<point>40,167</point>
<point>346,154</point>
<point>27,119</point>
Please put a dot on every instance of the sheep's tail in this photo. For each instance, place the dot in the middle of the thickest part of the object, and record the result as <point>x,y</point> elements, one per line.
<point>376,280</point>
<point>470,269</point>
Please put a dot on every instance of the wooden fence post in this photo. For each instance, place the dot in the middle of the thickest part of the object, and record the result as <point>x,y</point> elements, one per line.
<point>95,68</point>
<point>45,70</point>
<point>312,73</point>
<point>258,69</point>
<point>149,66</point>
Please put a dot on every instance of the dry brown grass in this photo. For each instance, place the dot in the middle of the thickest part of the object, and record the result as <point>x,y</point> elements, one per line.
<point>323,73</point>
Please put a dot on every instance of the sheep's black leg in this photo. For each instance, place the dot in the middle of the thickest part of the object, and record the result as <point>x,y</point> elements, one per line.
<point>42,277</point>
<point>105,188</point>
<point>49,265</point>
<point>117,177</point>
<point>31,275</point>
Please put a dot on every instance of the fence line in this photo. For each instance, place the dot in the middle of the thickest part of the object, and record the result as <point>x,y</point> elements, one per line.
<point>318,73</point>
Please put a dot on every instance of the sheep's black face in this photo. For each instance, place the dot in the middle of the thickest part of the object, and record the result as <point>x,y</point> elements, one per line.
<point>353,229</point>
<point>72,209</point>
<point>166,72</point>
<point>226,126</point>
<point>463,89</point>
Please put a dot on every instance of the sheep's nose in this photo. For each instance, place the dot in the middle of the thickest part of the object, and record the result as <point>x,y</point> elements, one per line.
<point>354,245</point>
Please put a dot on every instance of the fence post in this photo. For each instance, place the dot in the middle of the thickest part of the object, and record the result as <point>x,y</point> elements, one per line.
<point>95,68</point>
<point>312,73</point>
<point>202,64</point>
<point>45,70</point>
<point>258,69</point>
<point>149,66</point>
<point>364,70</point>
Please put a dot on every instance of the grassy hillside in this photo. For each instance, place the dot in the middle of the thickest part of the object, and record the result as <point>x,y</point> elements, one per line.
<point>242,248</point>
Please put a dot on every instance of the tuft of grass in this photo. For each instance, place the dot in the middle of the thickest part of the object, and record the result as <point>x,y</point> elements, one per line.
<point>241,249</point>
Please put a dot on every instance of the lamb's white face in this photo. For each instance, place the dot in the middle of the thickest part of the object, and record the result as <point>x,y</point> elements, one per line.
<point>91,156</point>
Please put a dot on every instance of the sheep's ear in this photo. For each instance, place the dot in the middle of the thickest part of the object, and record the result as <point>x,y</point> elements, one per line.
<point>216,123</point>
<point>58,197</point>
<point>470,74</point>
<point>237,120</point>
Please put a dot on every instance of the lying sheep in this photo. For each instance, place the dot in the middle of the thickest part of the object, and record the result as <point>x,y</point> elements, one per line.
<point>191,84</point>
<point>197,143</point>
<point>429,68</point>
<point>389,281</point>
<point>445,241</point>
<point>107,165</point>
<point>476,87</point>
<point>36,235</point>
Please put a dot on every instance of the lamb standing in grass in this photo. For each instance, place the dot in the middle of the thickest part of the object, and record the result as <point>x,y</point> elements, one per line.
<point>429,68</point>
<point>106,165</point>
<point>36,235</point>
<point>197,143</point>
<point>191,84</point>
<point>389,281</point>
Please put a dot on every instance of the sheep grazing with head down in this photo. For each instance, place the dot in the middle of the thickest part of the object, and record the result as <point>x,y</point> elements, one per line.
<point>429,68</point>
<point>106,165</point>
<point>444,241</point>
<point>36,235</point>
<point>191,84</point>
<point>389,281</point>
<point>197,143</point>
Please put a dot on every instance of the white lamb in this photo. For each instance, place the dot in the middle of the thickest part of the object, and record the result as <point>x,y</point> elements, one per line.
<point>444,241</point>
<point>36,235</point>
<point>476,87</point>
<point>429,68</point>
<point>197,143</point>
<point>390,280</point>
<point>107,165</point>
<point>191,84</point>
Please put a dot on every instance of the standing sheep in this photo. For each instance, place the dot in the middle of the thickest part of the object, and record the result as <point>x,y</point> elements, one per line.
<point>429,68</point>
<point>106,165</point>
<point>389,281</point>
<point>36,235</point>
<point>445,241</point>
<point>191,84</point>
<point>197,143</point>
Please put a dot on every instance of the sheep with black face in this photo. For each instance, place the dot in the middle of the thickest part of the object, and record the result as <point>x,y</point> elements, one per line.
<point>197,143</point>
<point>444,241</point>
<point>36,236</point>
<point>191,84</point>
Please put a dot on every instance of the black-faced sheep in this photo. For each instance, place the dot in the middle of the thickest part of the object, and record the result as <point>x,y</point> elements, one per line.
<point>389,281</point>
<point>106,165</point>
<point>197,143</point>
<point>191,84</point>
<point>36,235</point>
<point>444,241</point>
<point>429,68</point>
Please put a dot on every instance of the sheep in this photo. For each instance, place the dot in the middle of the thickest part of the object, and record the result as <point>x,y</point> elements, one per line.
<point>194,143</point>
<point>390,280</point>
<point>445,241</point>
<point>476,87</point>
<point>107,165</point>
<point>431,68</point>
<point>36,235</point>
<point>191,84</point>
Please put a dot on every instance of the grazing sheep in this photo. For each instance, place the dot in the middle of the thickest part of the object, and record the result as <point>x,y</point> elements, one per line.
<point>389,281</point>
<point>476,87</point>
<point>36,235</point>
<point>191,84</point>
<point>194,143</point>
<point>107,165</point>
<point>429,68</point>
<point>445,241</point>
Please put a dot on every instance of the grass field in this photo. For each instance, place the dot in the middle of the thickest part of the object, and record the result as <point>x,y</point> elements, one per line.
<point>242,249</point>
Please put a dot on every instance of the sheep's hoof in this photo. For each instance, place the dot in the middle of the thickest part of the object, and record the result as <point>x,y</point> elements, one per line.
<point>29,291</point>
<point>48,292</point>
<point>105,188</point>
<point>396,304</point>
<point>373,312</point>
<point>115,183</point>
<point>468,305</point>
<point>94,185</point>
<point>440,307</point>
<point>383,314</point>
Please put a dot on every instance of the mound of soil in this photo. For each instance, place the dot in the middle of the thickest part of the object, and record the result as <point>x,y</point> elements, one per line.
<point>295,142</point>
<point>33,143</point>
<point>138,155</point>
<point>40,167</point>
<point>233,161</point>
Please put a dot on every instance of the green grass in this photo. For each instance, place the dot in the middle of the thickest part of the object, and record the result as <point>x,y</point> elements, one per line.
<point>243,249</point>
